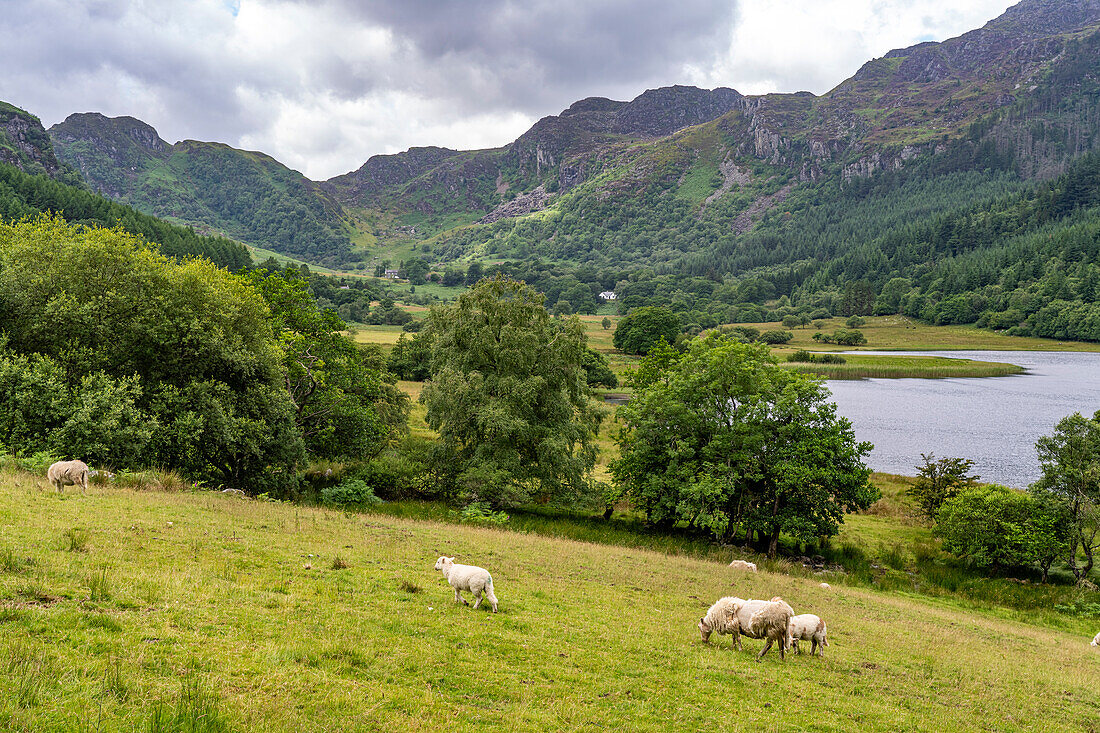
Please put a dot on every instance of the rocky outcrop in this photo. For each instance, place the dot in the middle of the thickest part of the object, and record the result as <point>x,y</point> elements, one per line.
<point>521,205</point>
<point>381,172</point>
<point>25,144</point>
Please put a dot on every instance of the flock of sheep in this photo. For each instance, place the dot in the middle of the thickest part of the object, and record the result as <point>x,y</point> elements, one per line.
<point>774,621</point>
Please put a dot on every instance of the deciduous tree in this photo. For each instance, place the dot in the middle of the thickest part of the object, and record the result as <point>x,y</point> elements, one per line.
<point>722,438</point>
<point>509,397</point>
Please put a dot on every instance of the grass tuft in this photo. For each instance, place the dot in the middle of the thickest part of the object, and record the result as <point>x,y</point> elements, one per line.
<point>339,563</point>
<point>77,539</point>
<point>196,709</point>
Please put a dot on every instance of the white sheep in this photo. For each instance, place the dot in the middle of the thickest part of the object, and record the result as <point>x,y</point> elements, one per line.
<point>721,618</point>
<point>771,622</point>
<point>826,585</point>
<point>68,473</point>
<point>468,577</point>
<point>808,627</point>
<point>770,625</point>
<point>743,565</point>
<point>1096,641</point>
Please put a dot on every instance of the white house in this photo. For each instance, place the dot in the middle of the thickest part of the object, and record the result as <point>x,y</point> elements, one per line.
<point>607,295</point>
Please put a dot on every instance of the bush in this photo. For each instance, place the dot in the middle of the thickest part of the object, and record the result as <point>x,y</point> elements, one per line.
<point>350,493</point>
<point>849,337</point>
<point>480,512</point>
<point>855,321</point>
<point>801,356</point>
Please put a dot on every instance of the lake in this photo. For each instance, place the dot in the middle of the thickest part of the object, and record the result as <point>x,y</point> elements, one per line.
<point>992,421</point>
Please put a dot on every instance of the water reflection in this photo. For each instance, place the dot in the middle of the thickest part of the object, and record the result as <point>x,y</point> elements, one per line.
<point>992,421</point>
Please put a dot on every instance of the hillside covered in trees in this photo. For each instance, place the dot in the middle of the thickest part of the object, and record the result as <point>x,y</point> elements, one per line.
<point>945,181</point>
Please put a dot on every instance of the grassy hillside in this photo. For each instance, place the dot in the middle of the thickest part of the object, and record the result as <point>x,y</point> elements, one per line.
<point>130,610</point>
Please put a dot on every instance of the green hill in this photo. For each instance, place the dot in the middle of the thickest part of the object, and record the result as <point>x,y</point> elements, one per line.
<point>136,609</point>
<point>246,195</point>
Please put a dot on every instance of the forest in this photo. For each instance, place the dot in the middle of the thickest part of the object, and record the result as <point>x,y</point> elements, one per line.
<point>951,247</point>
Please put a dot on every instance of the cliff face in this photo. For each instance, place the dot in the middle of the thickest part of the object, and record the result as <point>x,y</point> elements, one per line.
<point>25,144</point>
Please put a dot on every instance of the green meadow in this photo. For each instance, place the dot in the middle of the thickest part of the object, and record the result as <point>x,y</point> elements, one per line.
<point>150,610</point>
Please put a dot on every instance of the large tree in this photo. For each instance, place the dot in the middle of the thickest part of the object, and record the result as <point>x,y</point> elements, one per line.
<point>345,405</point>
<point>509,397</point>
<point>722,438</point>
<point>643,327</point>
<point>1070,460</point>
<point>175,362</point>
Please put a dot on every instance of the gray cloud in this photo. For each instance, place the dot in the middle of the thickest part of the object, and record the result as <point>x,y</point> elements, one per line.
<point>322,86</point>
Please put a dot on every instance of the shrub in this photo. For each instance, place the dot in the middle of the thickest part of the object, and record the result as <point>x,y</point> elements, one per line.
<point>350,493</point>
<point>849,337</point>
<point>801,356</point>
<point>480,512</point>
<point>855,321</point>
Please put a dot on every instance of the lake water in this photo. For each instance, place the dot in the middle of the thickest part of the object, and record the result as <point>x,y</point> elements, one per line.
<point>993,421</point>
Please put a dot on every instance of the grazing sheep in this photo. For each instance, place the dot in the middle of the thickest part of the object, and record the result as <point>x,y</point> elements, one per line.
<point>808,627</point>
<point>722,619</point>
<point>748,610</point>
<point>468,577</point>
<point>826,585</point>
<point>771,622</point>
<point>1096,640</point>
<point>743,565</point>
<point>68,473</point>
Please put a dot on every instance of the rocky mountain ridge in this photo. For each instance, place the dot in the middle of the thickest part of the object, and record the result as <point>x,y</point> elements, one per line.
<point>1022,90</point>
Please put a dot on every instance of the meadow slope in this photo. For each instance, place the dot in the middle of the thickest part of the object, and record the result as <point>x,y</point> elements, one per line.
<point>127,610</point>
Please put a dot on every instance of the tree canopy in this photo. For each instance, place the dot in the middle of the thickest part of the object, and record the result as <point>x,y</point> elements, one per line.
<point>643,327</point>
<point>1070,461</point>
<point>722,438</point>
<point>509,397</point>
<point>115,352</point>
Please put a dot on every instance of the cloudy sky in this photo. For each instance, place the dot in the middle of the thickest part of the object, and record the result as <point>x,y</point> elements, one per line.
<point>324,84</point>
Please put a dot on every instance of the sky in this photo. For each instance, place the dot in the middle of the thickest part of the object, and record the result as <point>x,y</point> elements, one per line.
<point>322,85</point>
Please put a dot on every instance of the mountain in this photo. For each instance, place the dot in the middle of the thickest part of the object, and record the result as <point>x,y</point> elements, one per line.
<point>247,195</point>
<point>679,179</point>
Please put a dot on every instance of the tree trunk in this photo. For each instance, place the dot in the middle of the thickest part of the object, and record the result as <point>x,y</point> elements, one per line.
<point>773,543</point>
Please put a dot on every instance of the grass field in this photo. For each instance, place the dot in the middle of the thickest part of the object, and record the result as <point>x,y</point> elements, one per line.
<point>130,610</point>
<point>858,366</point>
<point>899,333</point>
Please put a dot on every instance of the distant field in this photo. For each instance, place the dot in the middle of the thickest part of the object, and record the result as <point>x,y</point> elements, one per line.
<point>903,334</point>
<point>129,611</point>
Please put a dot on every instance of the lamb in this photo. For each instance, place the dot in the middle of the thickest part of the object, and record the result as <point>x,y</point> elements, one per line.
<point>68,473</point>
<point>721,618</point>
<point>468,577</point>
<point>771,622</point>
<point>1096,641</point>
<point>808,627</point>
<point>743,565</point>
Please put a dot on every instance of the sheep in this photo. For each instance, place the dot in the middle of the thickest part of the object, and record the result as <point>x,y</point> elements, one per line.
<point>68,473</point>
<point>826,586</point>
<point>468,577</point>
<point>1096,641</point>
<point>808,627</point>
<point>776,610</point>
<point>743,565</point>
<point>721,618</point>
<point>771,622</point>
